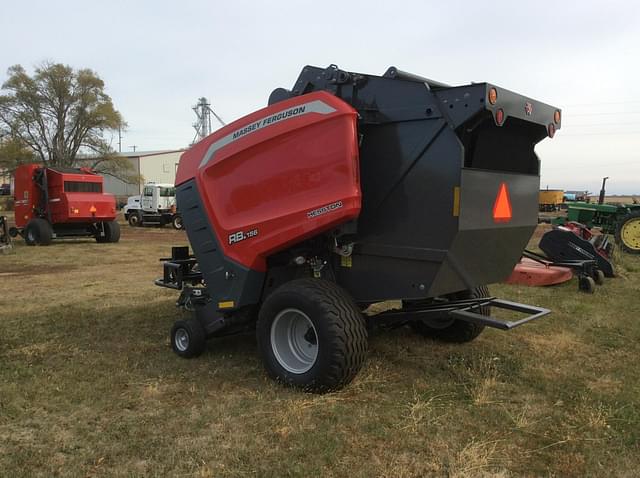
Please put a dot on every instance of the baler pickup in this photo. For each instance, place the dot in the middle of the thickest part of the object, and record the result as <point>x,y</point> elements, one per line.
<point>352,189</point>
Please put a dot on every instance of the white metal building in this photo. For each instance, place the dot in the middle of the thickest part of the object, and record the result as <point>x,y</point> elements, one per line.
<point>152,166</point>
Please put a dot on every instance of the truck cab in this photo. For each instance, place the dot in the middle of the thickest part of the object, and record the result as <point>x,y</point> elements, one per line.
<point>156,205</point>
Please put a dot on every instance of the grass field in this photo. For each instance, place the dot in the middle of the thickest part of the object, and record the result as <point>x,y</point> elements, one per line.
<point>90,387</point>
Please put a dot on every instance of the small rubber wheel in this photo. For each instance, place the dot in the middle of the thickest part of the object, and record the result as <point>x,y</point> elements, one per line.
<point>38,232</point>
<point>586,284</point>
<point>598,277</point>
<point>111,232</point>
<point>188,338</point>
<point>454,330</point>
<point>311,335</point>
<point>134,219</point>
<point>176,222</point>
<point>628,233</point>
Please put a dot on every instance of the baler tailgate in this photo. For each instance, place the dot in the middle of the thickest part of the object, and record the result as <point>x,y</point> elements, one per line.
<point>469,315</point>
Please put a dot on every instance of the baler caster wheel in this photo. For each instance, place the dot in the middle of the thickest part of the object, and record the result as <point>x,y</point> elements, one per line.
<point>454,330</point>
<point>311,335</point>
<point>188,338</point>
<point>586,284</point>
<point>38,231</point>
<point>598,277</point>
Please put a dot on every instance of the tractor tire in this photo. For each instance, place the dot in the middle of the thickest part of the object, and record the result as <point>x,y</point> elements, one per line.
<point>176,222</point>
<point>134,219</point>
<point>188,338</point>
<point>311,335</point>
<point>628,233</point>
<point>39,232</point>
<point>111,232</point>
<point>455,330</point>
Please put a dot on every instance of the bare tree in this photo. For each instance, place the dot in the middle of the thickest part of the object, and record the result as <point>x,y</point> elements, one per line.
<point>60,113</point>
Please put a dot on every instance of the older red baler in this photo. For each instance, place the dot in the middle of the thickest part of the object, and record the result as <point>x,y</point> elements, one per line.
<point>52,203</point>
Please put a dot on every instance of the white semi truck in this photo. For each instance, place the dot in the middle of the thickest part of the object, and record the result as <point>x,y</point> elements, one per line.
<point>156,205</point>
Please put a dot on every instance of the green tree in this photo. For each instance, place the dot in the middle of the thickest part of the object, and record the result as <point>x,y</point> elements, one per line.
<point>13,153</point>
<point>64,117</point>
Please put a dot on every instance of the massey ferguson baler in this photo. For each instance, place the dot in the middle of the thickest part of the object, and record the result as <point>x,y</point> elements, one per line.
<point>53,203</point>
<point>352,189</point>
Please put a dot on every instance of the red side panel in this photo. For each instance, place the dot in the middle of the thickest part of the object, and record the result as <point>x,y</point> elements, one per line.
<point>278,176</point>
<point>78,207</point>
<point>26,194</point>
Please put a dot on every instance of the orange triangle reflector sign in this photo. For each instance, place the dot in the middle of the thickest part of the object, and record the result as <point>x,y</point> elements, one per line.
<point>502,206</point>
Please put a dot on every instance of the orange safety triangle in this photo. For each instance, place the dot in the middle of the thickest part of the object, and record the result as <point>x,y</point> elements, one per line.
<point>92,209</point>
<point>502,206</point>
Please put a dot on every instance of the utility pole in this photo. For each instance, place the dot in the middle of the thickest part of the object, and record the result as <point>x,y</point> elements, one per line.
<point>203,112</point>
<point>133,147</point>
<point>119,140</point>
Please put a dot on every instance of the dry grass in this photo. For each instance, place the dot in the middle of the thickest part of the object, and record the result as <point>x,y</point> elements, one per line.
<point>90,387</point>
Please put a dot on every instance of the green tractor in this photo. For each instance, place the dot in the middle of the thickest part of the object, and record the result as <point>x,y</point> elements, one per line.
<point>621,220</point>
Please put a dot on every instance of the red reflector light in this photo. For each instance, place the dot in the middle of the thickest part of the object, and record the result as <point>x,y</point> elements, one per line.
<point>502,206</point>
<point>556,116</point>
<point>552,130</point>
<point>500,116</point>
<point>493,96</point>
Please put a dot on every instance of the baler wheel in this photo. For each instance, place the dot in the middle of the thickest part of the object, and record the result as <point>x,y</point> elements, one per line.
<point>628,233</point>
<point>311,335</point>
<point>188,338</point>
<point>455,331</point>
<point>38,231</point>
<point>111,232</point>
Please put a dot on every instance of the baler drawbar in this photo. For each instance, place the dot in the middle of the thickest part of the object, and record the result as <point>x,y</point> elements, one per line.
<point>348,190</point>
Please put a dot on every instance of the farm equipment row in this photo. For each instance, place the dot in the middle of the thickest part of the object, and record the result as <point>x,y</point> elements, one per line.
<point>351,189</point>
<point>53,203</point>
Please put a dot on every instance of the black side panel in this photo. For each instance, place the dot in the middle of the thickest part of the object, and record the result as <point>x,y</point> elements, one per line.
<point>226,280</point>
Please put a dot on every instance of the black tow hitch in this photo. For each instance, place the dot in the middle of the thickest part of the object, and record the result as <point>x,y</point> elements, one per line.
<point>469,310</point>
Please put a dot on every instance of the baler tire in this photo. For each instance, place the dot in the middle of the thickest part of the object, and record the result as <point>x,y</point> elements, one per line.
<point>459,331</point>
<point>196,338</point>
<point>620,236</point>
<point>111,232</point>
<point>38,231</point>
<point>336,324</point>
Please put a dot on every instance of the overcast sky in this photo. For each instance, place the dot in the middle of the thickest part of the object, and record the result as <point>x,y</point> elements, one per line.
<point>158,57</point>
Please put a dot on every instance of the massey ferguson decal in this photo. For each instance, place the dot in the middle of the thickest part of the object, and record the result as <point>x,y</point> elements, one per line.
<point>315,106</point>
<point>324,209</point>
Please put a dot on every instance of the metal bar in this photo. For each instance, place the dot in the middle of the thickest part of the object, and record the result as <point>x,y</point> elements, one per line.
<point>534,311</point>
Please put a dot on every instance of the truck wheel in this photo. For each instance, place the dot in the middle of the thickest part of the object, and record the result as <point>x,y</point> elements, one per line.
<point>38,231</point>
<point>188,338</point>
<point>176,222</point>
<point>134,219</point>
<point>454,330</point>
<point>311,335</point>
<point>628,233</point>
<point>111,232</point>
<point>140,218</point>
